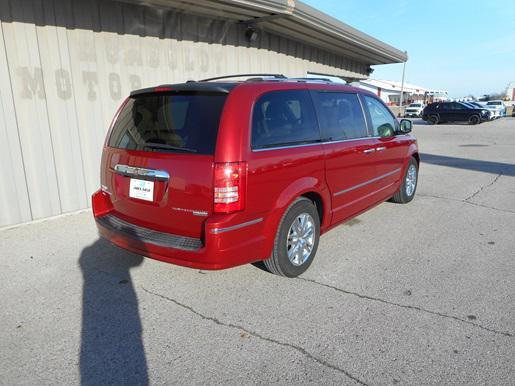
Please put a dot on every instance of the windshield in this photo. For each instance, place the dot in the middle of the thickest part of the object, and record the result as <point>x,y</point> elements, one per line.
<point>169,122</point>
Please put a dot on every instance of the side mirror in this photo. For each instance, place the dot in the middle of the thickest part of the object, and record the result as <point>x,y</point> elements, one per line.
<point>406,126</point>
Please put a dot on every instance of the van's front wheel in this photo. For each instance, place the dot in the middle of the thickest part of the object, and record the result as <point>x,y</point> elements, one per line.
<point>296,241</point>
<point>408,187</point>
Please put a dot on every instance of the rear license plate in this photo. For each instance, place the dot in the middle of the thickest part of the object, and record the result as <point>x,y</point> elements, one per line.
<point>141,189</point>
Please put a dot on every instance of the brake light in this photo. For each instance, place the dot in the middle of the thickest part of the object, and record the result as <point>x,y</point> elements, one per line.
<point>162,89</point>
<point>229,186</point>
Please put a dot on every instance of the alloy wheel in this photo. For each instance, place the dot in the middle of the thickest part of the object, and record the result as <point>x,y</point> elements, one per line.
<point>301,239</point>
<point>411,180</point>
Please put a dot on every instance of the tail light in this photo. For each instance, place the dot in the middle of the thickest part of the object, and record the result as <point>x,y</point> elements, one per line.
<point>101,203</point>
<point>230,186</point>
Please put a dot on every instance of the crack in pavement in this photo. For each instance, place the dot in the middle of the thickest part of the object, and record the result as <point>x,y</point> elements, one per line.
<point>483,188</point>
<point>259,336</point>
<point>466,202</point>
<point>416,308</point>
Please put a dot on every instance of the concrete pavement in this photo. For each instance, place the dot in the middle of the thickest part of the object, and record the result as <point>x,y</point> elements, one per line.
<point>404,294</point>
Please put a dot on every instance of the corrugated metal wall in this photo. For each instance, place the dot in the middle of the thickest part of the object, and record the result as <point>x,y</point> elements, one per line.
<point>65,66</point>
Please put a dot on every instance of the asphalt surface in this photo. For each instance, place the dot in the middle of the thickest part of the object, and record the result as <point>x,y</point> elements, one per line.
<point>417,294</point>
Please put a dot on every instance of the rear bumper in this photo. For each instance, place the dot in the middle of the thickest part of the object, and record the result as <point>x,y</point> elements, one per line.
<point>229,241</point>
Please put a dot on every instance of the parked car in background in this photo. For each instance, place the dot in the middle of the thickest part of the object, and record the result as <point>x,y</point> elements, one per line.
<point>414,110</point>
<point>454,112</point>
<point>477,105</point>
<point>491,109</point>
<point>498,108</point>
<point>212,175</point>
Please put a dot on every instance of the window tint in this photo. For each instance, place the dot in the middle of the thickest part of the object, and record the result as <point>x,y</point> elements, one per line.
<point>456,106</point>
<point>383,122</point>
<point>184,122</point>
<point>284,118</point>
<point>340,116</point>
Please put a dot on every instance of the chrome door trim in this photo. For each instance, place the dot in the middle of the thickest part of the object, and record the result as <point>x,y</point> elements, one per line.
<point>366,182</point>
<point>141,173</point>
<point>237,226</point>
<point>312,144</point>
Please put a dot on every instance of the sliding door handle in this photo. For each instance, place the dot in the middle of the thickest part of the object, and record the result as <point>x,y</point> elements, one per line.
<point>381,148</point>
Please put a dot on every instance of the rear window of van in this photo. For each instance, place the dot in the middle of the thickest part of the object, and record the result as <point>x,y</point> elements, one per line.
<point>184,122</point>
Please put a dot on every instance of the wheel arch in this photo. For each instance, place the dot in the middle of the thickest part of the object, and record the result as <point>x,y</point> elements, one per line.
<point>309,187</point>
<point>415,155</point>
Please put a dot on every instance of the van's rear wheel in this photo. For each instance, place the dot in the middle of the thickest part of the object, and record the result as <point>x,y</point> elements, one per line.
<point>296,241</point>
<point>408,187</point>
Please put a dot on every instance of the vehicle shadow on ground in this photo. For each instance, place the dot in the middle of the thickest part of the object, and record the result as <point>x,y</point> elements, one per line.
<point>469,164</point>
<point>112,350</point>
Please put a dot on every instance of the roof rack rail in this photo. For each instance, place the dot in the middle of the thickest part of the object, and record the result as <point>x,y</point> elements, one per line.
<point>276,76</point>
<point>312,79</point>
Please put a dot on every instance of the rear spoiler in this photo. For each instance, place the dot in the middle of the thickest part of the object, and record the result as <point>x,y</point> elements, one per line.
<point>217,88</point>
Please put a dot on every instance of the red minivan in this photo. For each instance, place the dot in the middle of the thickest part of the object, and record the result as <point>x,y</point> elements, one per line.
<point>214,174</point>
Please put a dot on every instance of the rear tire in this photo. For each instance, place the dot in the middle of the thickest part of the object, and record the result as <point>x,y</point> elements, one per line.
<point>474,120</point>
<point>408,187</point>
<point>296,242</point>
<point>433,119</point>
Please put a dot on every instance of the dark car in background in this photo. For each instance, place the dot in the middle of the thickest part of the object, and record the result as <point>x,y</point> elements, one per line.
<point>442,112</point>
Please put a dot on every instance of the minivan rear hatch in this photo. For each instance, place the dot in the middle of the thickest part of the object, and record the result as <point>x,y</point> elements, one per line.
<point>158,163</point>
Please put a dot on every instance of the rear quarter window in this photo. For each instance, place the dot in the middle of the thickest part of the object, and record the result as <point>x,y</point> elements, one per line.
<point>282,118</point>
<point>169,122</point>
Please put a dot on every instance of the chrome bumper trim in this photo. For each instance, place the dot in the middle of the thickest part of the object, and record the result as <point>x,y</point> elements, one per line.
<point>237,226</point>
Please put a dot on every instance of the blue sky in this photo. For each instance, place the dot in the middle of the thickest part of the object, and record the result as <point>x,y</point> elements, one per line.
<point>463,46</point>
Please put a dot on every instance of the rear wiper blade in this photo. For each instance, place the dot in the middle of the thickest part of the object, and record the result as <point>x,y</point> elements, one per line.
<point>164,146</point>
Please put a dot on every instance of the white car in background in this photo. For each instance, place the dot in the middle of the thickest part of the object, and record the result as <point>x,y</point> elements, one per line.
<point>497,108</point>
<point>414,110</point>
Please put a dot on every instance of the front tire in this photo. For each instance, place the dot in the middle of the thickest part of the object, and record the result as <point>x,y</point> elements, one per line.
<point>408,187</point>
<point>296,241</point>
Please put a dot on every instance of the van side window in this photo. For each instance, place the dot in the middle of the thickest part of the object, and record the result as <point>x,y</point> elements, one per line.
<point>282,118</point>
<point>383,122</point>
<point>341,116</point>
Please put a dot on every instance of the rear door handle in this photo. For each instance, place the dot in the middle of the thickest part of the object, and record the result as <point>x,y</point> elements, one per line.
<point>141,173</point>
<point>366,151</point>
<point>381,148</point>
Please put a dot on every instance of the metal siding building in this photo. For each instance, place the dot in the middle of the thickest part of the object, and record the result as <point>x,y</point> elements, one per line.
<point>66,65</point>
